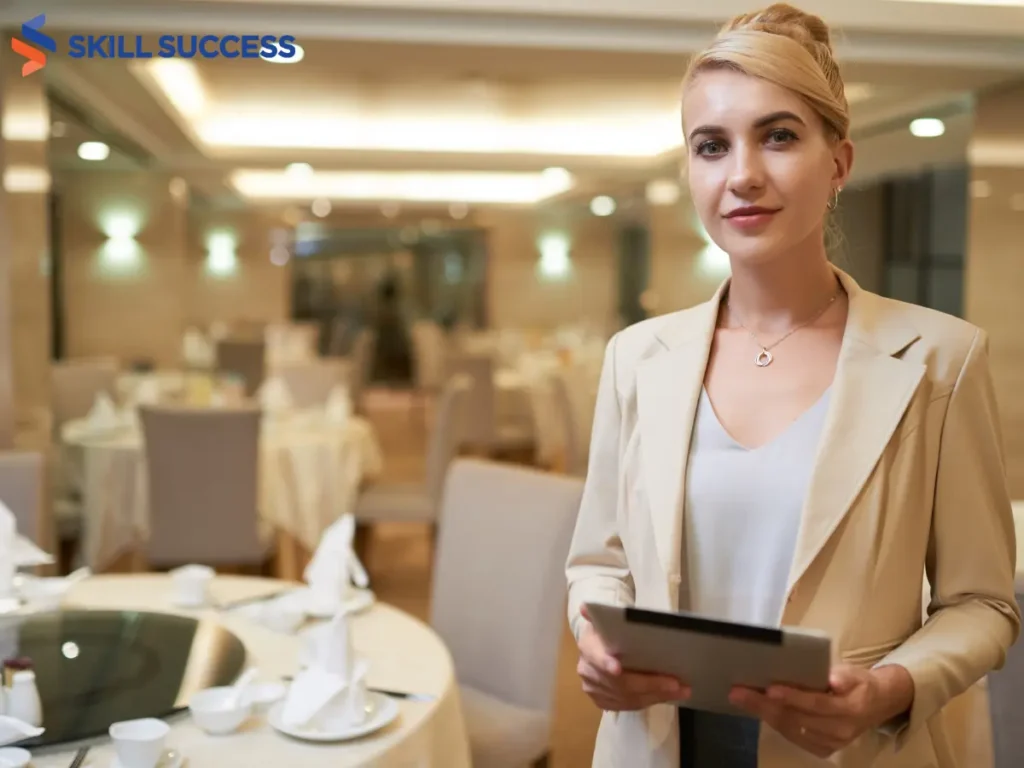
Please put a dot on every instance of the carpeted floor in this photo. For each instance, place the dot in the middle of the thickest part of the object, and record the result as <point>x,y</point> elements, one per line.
<point>399,562</point>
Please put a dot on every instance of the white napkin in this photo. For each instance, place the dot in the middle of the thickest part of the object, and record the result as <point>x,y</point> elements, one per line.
<point>13,730</point>
<point>339,405</point>
<point>103,414</point>
<point>274,395</point>
<point>334,566</point>
<point>8,538</point>
<point>196,349</point>
<point>148,392</point>
<point>331,692</point>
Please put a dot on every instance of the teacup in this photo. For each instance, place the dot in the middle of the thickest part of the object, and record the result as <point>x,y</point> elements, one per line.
<point>191,583</point>
<point>139,743</point>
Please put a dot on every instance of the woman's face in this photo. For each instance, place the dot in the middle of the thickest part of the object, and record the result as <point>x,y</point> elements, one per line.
<point>761,170</point>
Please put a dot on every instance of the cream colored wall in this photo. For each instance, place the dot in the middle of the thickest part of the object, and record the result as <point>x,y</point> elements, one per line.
<point>994,300</point>
<point>141,312</point>
<point>519,298</point>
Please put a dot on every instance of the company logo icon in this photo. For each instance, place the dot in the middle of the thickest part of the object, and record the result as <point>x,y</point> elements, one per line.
<point>31,31</point>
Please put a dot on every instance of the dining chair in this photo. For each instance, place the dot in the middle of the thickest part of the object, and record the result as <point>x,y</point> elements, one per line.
<point>22,490</point>
<point>418,502</point>
<point>498,601</point>
<point>244,358</point>
<point>202,467</point>
<point>574,457</point>
<point>310,383</point>
<point>485,433</point>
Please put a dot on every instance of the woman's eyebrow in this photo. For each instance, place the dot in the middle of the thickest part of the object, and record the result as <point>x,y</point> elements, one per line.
<point>761,122</point>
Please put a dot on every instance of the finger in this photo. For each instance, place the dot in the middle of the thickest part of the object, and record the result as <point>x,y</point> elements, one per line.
<point>809,730</point>
<point>809,702</point>
<point>592,648</point>
<point>642,684</point>
<point>844,678</point>
<point>595,678</point>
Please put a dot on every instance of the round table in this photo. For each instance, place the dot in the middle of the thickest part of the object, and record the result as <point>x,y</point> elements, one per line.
<point>404,655</point>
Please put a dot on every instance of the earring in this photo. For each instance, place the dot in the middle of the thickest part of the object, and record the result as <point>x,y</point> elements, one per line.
<point>834,202</point>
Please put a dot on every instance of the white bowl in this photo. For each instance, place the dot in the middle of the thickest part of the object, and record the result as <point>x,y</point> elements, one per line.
<point>211,712</point>
<point>14,757</point>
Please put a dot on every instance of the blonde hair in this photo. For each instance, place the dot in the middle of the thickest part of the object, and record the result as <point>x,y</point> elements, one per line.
<point>787,47</point>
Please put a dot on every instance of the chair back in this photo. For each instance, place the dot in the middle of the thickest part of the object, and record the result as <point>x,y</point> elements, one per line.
<point>481,407</point>
<point>75,384</point>
<point>498,598</point>
<point>446,434</point>
<point>202,466</point>
<point>21,489</point>
<point>310,383</point>
<point>245,359</point>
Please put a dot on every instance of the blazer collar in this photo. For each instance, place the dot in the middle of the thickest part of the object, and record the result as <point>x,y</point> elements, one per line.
<point>870,393</point>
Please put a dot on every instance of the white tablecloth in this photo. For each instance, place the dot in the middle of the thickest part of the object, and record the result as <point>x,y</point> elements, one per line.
<point>310,473</point>
<point>404,654</point>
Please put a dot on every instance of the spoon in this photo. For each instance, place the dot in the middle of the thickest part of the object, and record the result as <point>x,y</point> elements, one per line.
<point>235,697</point>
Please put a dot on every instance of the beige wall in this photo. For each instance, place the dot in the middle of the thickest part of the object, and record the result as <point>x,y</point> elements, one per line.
<point>140,310</point>
<point>994,300</point>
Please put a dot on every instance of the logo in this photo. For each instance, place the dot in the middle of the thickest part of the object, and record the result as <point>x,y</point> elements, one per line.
<point>182,47</point>
<point>30,30</point>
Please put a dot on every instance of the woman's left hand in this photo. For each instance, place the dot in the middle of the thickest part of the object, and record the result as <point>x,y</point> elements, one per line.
<point>824,723</point>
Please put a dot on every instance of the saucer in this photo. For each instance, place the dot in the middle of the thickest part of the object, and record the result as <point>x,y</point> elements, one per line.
<point>382,711</point>
<point>171,758</point>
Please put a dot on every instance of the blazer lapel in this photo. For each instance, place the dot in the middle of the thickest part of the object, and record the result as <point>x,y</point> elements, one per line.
<point>668,389</point>
<point>870,393</point>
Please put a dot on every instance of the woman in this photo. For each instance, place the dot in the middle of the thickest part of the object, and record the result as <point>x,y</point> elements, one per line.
<point>796,451</point>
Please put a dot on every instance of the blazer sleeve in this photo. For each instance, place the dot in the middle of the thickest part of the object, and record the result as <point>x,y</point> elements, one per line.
<point>973,617</point>
<point>597,570</point>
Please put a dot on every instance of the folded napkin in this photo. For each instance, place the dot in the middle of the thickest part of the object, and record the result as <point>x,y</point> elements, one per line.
<point>330,693</point>
<point>103,414</point>
<point>148,392</point>
<point>8,541</point>
<point>339,405</point>
<point>13,730</point>
<point>274,396</point>
<point>334,567</point>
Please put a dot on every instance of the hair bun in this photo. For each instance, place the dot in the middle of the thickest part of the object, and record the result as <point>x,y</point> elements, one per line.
<point>785,20</point>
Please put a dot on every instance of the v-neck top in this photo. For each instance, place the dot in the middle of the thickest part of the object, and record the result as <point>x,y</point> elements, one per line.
<point>742,514</point>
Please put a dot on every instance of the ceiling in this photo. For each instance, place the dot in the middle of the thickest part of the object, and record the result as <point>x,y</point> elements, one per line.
<point>424,100</point>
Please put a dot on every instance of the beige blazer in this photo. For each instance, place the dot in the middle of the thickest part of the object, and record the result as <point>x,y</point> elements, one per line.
<point>909,482</point>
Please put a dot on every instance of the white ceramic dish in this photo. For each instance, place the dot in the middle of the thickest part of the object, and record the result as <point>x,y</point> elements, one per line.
<point>169,759</point>
<point>210,713</point>
<point>382,712</point>
<point>14,757</point>
<point>263,695</point>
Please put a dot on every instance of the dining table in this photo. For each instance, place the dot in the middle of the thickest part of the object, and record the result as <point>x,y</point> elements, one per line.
<point>404,654</point>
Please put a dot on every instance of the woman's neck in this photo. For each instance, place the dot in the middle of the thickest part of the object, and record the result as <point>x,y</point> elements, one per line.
<point>774,296</point>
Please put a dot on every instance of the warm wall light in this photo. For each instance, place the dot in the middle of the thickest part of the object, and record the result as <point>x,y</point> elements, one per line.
<point>927,127</point>
<point>554,263</point>
<point>602,205</point>
<point>27,125</point>
<point>221,259</point>
<point>25,179</point>
<point>93,150</point>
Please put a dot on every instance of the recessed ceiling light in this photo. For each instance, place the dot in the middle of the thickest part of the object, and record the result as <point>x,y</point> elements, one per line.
<point>927,127</point>
<point>93,150</point>
<point>558,176</point>
<point>602,205</point>
<point>321,207</point>
<point>299,170</point>
<point>300,54</point>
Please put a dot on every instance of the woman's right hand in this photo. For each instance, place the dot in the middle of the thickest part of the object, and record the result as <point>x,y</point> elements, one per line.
<point>613,689</point>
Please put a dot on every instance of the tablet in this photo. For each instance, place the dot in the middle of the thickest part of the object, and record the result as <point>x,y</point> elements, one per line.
<point>713,656</point>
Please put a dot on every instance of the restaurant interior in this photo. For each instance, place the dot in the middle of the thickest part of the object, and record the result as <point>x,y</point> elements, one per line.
<point>299,355</point>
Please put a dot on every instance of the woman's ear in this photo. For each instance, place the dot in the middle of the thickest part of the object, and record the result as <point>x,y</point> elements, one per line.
<point>843,159</point>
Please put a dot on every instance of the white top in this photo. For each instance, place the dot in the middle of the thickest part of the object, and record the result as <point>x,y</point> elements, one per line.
<point>742,514</point>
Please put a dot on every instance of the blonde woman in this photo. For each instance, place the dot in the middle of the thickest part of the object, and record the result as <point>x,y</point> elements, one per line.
<point>796,451</point>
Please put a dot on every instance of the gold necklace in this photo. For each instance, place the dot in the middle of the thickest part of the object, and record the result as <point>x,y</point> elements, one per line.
<point>764,358</point>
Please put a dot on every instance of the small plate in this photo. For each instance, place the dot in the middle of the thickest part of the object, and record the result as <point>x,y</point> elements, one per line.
<point>383,711</point>
<point>171,758</point>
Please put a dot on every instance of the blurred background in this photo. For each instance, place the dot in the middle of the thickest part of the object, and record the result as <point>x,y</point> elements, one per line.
<point>410,242</point>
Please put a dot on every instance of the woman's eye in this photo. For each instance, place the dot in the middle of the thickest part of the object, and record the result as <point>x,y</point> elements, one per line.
<point>710,148</point>
<point>781,136</point>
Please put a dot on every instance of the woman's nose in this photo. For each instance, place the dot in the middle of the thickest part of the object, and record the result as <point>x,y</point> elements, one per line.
<point>747,171</point>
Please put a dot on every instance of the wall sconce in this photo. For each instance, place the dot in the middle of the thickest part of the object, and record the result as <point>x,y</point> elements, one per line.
<point>221,259</point>
<point>121,253</point>
<point>554,263</point>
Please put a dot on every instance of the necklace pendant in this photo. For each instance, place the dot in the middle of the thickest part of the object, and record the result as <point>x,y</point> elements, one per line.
<point>764,359</point>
